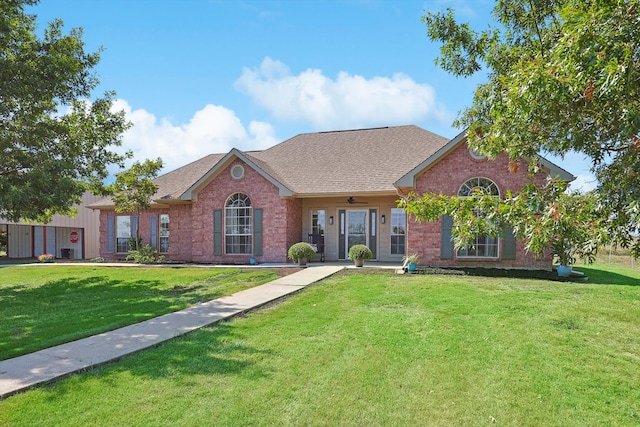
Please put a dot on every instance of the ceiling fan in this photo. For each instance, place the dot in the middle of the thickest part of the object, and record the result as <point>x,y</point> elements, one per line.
<point>351,200</point>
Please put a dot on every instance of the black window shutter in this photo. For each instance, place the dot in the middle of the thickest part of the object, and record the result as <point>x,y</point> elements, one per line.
<point>257,232</point>
<point>111,240</point>
<point>341,236</point>
<point>217,232</point>
<point>153,236</point>
<point>446,242</point>
<point>134,225</point>
<point>373,231</point>
<point>508,244</point>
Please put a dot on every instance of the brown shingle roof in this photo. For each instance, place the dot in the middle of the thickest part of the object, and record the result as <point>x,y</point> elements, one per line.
<point>366,160</point>
<point>338,162</point>
<point>173,184</point>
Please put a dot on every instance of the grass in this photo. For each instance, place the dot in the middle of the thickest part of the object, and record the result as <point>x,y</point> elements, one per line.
<point>381,349</point>
<point>47,305</point>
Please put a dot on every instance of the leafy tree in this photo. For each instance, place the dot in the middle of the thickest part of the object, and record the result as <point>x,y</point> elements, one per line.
<point>551,221</point>
<point>55,144</point>
<point>563,75</point>
<point>133,189</point>
<point>3,241</point>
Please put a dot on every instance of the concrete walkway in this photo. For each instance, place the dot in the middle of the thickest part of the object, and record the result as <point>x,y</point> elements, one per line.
<point>23,372</point>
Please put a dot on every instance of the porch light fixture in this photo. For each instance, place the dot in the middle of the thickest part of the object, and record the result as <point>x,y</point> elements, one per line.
<point>382,219</point>
<point>330,220</point>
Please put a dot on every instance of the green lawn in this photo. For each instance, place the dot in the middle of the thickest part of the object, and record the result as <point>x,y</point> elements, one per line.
<point>381,349</point>
<point>47,305</point>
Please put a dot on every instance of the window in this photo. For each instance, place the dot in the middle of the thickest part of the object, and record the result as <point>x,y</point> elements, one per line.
<point>318,218</point>
<point>123,233</point>
<point>398,231</point>
<point>476,154</point>
<point>237,227</point>
<point>483,246</point>
<point>237,172</point>
<point>164,233</point>
<point>479,184</point>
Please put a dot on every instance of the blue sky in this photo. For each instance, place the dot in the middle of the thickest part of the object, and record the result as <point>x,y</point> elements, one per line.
<point>204,76</point>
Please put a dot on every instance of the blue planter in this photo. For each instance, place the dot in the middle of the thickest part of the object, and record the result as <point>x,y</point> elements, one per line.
<point>412,266</point>
<point>564,270</point>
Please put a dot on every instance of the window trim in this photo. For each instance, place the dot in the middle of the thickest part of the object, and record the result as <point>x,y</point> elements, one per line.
<point>392,234</point>
<point>471,188</point>
<point>237,202</point>
<point>476,155</point>
<point>465,190</point>
<point>320,229</point>
<point>117,232</point>
<point>160,236</point>
<point>237,172</point>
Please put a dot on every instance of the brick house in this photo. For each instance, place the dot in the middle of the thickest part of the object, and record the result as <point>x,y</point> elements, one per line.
<point>333,188</point>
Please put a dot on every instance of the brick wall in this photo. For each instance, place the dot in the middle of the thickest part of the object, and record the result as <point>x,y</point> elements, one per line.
<point>179,231</point>
<point>191,225</point>
<point>281,217</point>
<point>102,229</point>
<point>446,177</point>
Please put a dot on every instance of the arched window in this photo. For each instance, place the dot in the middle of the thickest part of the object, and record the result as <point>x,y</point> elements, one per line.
<point>483,246</point>
<point>484,185</point>
<point>237,224</point>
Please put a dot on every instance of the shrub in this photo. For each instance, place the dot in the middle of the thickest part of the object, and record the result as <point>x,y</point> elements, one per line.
<point>145,255</point>
<point>45,257</point>
<point>360,252</point>
<point>134,243</point>
<point>301,250</point>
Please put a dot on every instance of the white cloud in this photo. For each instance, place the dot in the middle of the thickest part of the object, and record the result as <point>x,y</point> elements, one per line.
<point>583,183</point>
<point>213,129</point>
<point>349,101</point>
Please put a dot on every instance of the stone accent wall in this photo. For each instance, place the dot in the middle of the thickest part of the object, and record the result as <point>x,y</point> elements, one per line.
<point>446,177</point>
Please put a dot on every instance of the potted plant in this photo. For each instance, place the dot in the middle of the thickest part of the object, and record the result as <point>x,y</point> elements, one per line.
<point>358,253</point>
<point>301,252</point>
<point>412,261</point>
<point>563,251</point>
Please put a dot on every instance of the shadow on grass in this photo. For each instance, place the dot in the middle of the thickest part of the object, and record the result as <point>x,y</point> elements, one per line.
<point>603,277</point>
<point>70,308</point>
<point>215,351</point>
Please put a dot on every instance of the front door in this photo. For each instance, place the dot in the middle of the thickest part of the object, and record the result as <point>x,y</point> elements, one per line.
<point>356,230</point>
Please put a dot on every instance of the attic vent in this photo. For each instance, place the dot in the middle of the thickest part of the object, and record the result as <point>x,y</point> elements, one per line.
<point>237,172</point>
<point>476,154</point>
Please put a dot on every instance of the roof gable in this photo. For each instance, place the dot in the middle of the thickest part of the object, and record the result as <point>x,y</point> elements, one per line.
<point>224,162</point>
<point>409,179</point>
<point>372,161</point>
